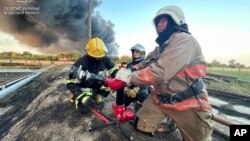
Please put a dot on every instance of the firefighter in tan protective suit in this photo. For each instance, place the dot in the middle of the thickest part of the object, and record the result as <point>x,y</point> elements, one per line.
<point>175,68</point>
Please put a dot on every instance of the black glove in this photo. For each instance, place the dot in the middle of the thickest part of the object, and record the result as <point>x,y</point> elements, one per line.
<point>132,68</point>
<point>95,78</point>
<point>131,86</point>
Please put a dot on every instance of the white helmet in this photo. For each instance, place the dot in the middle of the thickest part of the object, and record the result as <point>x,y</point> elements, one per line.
<point>174,12</point>
<point>140,48</point>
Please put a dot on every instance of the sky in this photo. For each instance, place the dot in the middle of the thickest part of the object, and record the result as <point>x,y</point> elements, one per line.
<point>221,27</point>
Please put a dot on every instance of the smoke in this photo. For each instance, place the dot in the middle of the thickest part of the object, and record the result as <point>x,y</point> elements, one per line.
<point>59,25</point>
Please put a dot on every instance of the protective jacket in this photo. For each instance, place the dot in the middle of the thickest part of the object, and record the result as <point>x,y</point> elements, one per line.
<point>173,68</point>
<point>103,66</point>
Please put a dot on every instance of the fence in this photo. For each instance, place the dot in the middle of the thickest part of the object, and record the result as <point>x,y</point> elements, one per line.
<point>32,62</point>
<point>229,69</point>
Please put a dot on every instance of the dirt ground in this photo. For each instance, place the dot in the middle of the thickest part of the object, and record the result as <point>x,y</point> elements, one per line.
<point>40,111</point>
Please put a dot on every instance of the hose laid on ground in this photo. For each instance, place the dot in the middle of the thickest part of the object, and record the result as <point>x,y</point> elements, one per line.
<point>222,121</point>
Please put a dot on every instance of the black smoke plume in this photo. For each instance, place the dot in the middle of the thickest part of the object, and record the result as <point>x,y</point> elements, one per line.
<point>60,25</point>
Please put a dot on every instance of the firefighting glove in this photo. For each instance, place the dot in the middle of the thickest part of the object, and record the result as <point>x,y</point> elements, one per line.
<point>104,91</point>
<point>131,92</point>
<point>124,75</point>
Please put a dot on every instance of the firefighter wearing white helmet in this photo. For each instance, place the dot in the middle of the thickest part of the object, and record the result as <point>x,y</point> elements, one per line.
<point>138,53</point>
<point>174,12</point>
<point>88,93</point>
<point>136,94</point>
<point>175,69</point>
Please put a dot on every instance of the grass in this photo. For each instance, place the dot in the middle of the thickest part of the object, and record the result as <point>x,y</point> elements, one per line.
<point>242,75</point>
<point>231,87</point>
<point>236,86</point>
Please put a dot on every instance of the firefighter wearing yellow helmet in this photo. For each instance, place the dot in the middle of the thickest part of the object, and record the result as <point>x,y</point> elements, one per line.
<point>96,48</point>
<point>86,94</point>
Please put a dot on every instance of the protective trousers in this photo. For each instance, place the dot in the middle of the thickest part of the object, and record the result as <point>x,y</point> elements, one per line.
<point>194,125</point>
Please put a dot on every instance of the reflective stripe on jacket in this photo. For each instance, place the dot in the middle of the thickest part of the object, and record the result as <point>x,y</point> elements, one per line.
<point>174,69</point>
<point>94,66</point>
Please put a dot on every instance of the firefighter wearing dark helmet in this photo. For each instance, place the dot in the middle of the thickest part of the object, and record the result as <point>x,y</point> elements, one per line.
<point>136,94</point>
<point>87,93</point>
<point>175,68</point>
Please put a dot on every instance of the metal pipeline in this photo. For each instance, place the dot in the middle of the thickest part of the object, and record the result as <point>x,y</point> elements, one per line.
<point>13,81</point>
<point>16,85</point>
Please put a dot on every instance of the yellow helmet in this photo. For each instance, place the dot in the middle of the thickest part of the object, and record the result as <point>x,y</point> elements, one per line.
<point>96,48</point>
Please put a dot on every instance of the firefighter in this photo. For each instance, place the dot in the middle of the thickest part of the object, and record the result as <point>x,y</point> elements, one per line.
<point>136,93</point>
<point>175,68</point>
<point>88,93</point>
